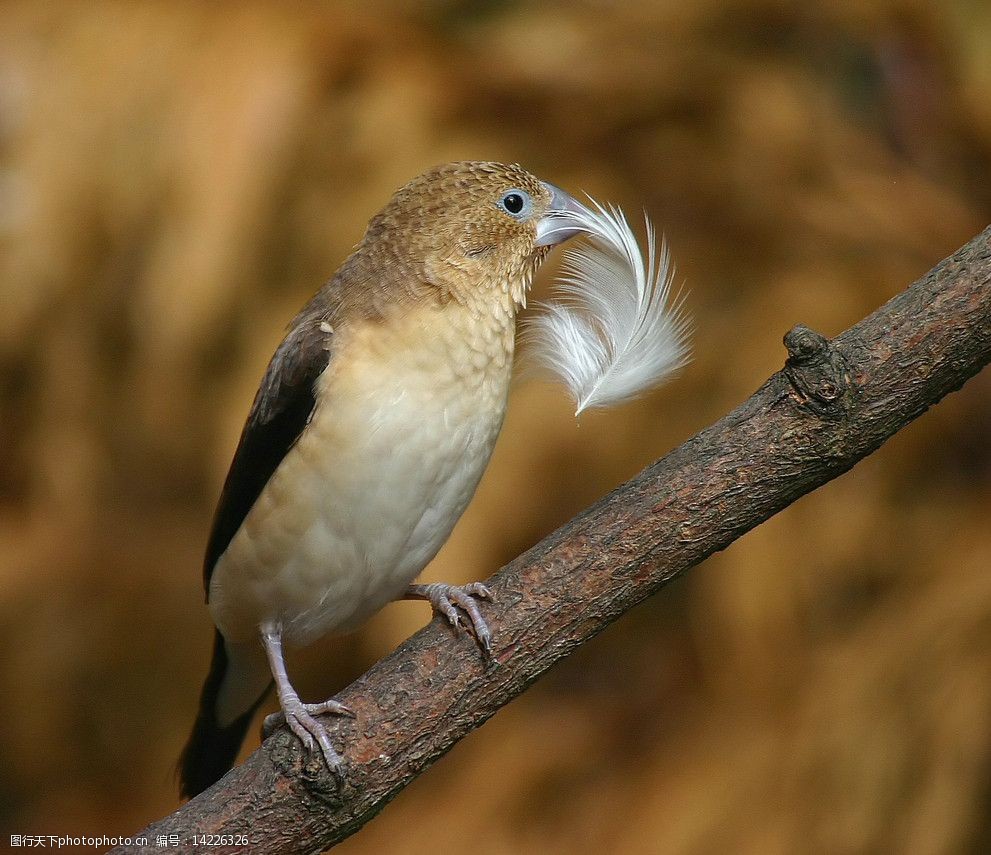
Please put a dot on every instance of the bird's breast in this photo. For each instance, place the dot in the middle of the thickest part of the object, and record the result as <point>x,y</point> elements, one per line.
<point>407,414</point>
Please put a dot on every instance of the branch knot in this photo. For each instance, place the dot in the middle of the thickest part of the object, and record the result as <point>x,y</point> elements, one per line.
<point>817,371</point>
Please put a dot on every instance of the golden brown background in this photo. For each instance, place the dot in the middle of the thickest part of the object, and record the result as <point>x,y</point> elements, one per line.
<point>178,177</point>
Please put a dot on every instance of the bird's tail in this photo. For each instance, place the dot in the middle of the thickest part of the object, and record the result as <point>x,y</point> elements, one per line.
<point>236,685</point>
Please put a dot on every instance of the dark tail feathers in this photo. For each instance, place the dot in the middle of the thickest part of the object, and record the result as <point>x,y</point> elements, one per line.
<point>212,749</point>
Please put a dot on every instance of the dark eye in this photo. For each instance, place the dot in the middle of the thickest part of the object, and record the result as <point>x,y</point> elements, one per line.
<point>516,203</point>
<point>513,202</point>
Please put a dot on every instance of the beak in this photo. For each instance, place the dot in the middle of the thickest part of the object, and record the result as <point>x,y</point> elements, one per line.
<point>561,220</point>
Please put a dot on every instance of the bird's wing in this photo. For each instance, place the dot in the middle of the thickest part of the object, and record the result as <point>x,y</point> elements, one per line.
<point>282,407</point>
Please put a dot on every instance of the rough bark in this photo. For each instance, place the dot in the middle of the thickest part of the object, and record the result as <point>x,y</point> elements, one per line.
<point>832,404</point>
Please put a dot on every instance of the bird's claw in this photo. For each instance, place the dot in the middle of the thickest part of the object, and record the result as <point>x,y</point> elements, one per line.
<point>330,707</point>
<point>299,718</point>
<point>447,599</point>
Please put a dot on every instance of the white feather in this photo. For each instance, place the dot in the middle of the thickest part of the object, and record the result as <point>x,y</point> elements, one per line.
<point>615,332</point>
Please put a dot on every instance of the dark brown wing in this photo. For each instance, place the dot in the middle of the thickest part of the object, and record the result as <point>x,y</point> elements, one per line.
<point>282,408</point>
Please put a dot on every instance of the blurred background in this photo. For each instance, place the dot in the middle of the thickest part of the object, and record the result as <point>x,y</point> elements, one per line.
<point>176,178</point>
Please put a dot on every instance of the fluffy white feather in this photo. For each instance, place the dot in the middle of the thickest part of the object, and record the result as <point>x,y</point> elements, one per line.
<point>615,331</point>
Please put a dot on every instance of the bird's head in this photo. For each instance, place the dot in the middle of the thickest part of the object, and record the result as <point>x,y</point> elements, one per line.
<point>474,229</point>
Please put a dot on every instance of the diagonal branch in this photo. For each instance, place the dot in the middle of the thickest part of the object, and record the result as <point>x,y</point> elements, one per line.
<point>832,404</point>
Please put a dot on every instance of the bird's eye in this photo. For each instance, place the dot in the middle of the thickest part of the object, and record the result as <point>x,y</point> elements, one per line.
<point>513,202</point>
<point>516,203</point>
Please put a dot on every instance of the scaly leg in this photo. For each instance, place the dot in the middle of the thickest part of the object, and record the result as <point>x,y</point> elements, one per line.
<point>295,713</point>
<point>446,598</point>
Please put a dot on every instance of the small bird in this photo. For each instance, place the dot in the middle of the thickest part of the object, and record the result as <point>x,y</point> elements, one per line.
<point>366,440</point>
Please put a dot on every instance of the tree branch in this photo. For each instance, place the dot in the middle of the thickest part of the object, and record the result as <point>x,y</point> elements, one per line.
<point>832,404</point>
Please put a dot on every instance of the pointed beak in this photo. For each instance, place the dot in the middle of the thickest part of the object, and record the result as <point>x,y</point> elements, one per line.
<point>559,223</point>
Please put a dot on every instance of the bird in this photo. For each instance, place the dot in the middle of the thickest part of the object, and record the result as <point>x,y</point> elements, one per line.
<point>366,440</point>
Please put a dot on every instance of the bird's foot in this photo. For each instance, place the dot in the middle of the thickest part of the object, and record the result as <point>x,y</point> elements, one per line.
<point>446,599</point>
<point>277,719</point>
<point>311,732</point>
